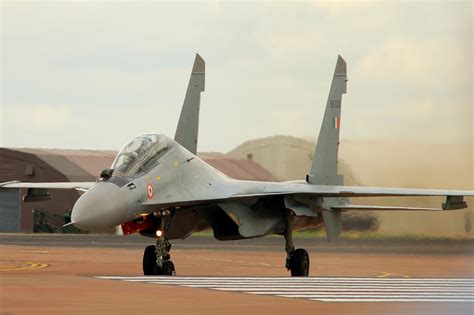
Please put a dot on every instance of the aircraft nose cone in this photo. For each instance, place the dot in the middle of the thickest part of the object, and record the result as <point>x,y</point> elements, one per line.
<point>103,206</point>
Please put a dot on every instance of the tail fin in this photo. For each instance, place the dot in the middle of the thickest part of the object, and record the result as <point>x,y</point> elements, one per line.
<point>188,125</point>
<point>324,168</point>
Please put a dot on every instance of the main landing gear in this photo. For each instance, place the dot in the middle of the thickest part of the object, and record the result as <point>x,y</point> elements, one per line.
<point>297,260</point>
<point>156,259</point>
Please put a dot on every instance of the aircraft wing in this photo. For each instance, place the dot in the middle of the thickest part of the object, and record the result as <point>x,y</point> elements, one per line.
<point>81,186</point>
<point>357,191</point>
<point>285,188</point>
<point>382,208</point>
<point>240,190</point>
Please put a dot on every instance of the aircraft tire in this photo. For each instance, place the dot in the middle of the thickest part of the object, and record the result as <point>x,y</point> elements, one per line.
<point>168,268</point>
<point>157,271</point>
<point>299,263</point>
<point>149,261</point>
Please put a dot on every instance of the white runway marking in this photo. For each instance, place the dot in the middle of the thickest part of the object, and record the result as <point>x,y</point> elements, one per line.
<point>330,289</point>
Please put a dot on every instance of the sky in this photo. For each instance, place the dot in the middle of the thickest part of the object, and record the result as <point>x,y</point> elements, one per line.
<point>93,75</point>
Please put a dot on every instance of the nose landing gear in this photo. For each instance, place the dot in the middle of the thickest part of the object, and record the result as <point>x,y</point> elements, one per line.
<point>157,259</point>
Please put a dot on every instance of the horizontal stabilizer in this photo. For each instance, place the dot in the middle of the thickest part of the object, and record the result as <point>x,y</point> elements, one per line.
<point>382,208</point>
<point>454,203</point>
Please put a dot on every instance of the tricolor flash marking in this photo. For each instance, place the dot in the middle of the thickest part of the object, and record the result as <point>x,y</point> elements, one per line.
<point>149,191</point>
<point>337,122</point>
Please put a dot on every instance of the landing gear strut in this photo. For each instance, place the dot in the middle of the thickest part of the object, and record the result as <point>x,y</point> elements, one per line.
<point>297,260</point>
<point>156,259</point>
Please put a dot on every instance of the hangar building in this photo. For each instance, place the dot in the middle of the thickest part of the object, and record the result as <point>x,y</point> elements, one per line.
<point>53,165</point>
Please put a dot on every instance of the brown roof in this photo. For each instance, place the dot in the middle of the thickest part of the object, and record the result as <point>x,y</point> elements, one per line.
<point>85,165</point>
<point>76,165</point>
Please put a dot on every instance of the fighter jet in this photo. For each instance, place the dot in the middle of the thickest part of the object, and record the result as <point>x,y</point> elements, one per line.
<point>159,187</point>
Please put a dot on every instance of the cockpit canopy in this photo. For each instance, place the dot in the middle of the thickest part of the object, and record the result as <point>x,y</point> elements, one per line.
<point>139,154</point>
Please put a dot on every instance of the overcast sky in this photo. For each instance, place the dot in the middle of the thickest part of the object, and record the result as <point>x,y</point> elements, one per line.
<point>96,74</point>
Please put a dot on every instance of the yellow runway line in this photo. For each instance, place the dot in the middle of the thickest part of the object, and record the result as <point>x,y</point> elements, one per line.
<point>30,266</point>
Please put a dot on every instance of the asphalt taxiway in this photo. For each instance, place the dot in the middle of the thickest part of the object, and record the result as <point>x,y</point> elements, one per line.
<point>272,243</point>
<point>57,274</point>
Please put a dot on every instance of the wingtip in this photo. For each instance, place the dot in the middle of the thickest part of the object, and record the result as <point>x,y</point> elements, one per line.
<point>9,183</point>
<point>199,64</point>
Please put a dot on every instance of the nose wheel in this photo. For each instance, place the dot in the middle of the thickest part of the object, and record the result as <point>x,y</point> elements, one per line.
<point>149,261</point>
<point>156,258</point>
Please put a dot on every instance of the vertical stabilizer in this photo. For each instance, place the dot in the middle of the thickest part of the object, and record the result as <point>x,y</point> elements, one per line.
<point>188,125</point>
<point>324,168</point>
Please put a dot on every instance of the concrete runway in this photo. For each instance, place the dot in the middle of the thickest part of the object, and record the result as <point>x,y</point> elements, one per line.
<point>57,274</point>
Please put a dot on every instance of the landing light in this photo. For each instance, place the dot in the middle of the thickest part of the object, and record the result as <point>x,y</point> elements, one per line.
<point>159,233</point>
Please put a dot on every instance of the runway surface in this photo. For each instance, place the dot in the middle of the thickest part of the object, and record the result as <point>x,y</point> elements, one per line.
<point>57,274</point>
<point>330,289</point>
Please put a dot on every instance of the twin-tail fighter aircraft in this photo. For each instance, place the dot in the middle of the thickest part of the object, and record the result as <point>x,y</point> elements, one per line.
<point>159,187</point>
